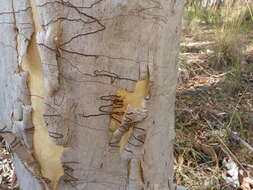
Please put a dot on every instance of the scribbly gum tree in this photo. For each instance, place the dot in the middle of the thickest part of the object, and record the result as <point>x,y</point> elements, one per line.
<point>88,90</point>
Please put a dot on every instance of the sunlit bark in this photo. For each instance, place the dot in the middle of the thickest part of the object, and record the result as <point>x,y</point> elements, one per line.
<point>88,91</point>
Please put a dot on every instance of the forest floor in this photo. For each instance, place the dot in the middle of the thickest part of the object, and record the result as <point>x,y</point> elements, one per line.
<point>214,117</point>
<point>8,178</point>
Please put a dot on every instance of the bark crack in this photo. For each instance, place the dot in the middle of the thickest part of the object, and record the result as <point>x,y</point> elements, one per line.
<point>16,31</point>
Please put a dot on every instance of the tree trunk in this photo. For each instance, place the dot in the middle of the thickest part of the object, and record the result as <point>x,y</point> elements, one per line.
<point>88,91</point>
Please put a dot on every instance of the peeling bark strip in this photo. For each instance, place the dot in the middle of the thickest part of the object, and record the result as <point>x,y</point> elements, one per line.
<point>81,70</point>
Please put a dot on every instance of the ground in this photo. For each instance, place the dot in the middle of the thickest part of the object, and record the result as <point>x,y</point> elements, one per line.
<point>7,173</point>
<point>214,112</point>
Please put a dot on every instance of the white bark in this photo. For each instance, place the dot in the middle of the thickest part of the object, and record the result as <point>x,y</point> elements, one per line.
<point>56,119</point>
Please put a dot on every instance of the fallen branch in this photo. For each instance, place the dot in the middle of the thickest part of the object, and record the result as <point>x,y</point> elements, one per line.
<point>233,135</point>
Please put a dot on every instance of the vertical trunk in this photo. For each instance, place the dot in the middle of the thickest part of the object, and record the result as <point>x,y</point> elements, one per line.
<point>89,91</point>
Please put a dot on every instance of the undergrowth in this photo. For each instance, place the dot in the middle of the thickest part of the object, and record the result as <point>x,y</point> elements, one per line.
<point>206,113</point>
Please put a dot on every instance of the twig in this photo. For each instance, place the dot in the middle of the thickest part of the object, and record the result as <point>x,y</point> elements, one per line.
<point>230,132</point>
<point>234,136</point>
<point>226,148</point>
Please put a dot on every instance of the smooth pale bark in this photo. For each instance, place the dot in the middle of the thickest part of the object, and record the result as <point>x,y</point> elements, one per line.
<point>75,73</point>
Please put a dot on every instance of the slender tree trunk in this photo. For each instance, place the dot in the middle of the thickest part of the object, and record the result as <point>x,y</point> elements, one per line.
<point>88,91</point>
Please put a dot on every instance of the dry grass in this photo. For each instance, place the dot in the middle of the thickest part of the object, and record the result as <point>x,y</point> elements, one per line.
<point>229,36</point>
